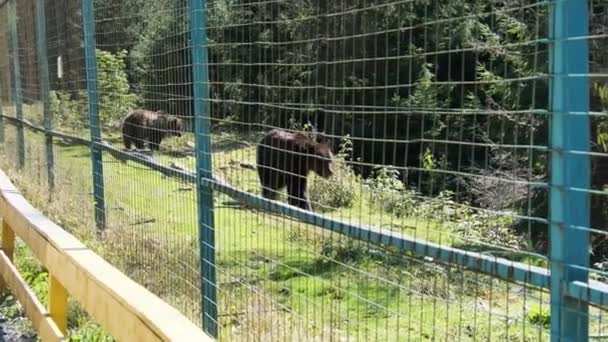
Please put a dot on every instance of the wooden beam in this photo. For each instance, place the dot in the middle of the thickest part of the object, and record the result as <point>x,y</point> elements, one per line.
<point>8,246</point>
<point>8,240</point>
<point>58,303</point>
<point>34,310</point>
<point>126,309</point>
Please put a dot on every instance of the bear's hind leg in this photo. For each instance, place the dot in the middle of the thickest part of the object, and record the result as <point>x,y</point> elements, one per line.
<point>127,141</point>
<point>139,143</point>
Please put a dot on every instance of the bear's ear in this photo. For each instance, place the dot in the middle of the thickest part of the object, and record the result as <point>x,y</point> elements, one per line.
<point>321,137</point>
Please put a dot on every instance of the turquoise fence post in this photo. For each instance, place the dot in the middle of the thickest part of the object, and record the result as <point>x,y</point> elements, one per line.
<point>45,89</point>
<point>91,75</point>
<point>570,169</point>
<point>202,128</point>
<point>17,91</point>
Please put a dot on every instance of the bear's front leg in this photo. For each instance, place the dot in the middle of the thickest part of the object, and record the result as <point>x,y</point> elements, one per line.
<point>297,194</point>
<point>154,137</point>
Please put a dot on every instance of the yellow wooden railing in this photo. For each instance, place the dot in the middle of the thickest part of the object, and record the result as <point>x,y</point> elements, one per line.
<point>125,309</point>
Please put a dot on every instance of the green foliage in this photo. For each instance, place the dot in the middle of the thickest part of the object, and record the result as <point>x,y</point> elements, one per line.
<point>306,128</point>
<point>539,316</point>
<point>340,190</point>
<point>429,94</point>
<point>115,99</point>
<point>113,87</point>
<point>602,127</point>
<point>38,282</point>
<point>492,229</point>
<point>602,93</point>
<point>88,330</point>
<point>69,111</point>
<point>389,193</point>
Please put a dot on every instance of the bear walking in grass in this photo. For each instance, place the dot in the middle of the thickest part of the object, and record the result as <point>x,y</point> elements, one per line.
<point>143,127</point>
<point>285,159</point>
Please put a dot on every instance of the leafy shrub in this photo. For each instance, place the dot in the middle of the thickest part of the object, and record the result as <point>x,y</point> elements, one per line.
<point>471,223</point>
<point>339,191</point>
<point>114,97</point>
<point>440,208</point>
<point>490,228</point>
<point>540,316</point>
<point>69,112</point>
<point>115,101</point>
<point>389,193</point>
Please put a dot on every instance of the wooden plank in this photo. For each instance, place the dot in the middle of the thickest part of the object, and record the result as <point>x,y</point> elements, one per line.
<point>58,303</point>
<point>105,292</point>
<point>34,310</point>
<point>8,246</point>
<point>8,240</point>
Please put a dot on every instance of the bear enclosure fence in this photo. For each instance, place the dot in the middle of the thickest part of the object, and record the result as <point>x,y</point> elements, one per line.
<point>467,199</point>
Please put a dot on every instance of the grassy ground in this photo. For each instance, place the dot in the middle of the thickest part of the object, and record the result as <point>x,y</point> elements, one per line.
<point>277,279</point>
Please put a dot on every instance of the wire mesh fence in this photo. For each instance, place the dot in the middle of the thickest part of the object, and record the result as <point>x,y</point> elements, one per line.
<point>310,170</point>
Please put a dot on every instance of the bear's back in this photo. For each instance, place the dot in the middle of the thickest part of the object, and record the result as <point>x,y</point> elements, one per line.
<point>283,150</point>
<point>141,117</point>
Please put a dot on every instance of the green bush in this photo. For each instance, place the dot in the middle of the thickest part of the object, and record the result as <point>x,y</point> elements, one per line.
<point>115,101</point>
<point>540,316</point>
<point>389,193</point>
<point>340,190</point>
<point>113,86</point>
<point>489,228</point>
<point>69,112</point>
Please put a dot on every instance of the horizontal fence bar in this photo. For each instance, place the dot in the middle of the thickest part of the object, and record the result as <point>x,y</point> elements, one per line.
<point>593,292</point>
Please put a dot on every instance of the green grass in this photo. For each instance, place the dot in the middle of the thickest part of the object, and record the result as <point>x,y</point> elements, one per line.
<point>278,279</point>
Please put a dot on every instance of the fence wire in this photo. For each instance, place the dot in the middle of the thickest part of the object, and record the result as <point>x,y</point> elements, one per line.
<point>437,118</point>
<point>436,122</point>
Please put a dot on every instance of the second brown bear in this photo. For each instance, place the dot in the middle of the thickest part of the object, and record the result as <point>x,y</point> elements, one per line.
<point>285,159</point>
<point>144,127</point>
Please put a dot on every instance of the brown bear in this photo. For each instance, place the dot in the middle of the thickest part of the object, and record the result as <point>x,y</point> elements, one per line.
<point>286,159</point>
<point>145,126</point>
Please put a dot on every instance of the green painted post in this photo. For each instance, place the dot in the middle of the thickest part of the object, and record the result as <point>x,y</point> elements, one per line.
<point>17,93</point>
<point>202,128</point>
<point>96,151</point>
<point>45,89</point>
<point>570,169</point>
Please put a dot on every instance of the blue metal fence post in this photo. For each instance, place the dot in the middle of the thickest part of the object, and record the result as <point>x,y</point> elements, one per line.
<point>202,128</point>
<point>91,75</point>
<point>569,208</point>
<point>45,88</point>
<point>17,91</point>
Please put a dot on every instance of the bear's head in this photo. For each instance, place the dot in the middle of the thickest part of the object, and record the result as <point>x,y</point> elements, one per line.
<point>171,124</point>
<point>175,125</point>
<point>322,162</point>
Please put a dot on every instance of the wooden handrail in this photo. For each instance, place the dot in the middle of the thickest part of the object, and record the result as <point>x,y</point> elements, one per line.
<point>127,310</point>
